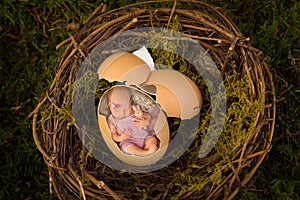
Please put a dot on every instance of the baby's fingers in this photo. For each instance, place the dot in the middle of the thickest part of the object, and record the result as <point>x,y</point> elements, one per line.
<point>128,131</point>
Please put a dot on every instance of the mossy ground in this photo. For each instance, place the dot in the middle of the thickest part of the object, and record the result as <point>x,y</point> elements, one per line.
<point>29,33</point>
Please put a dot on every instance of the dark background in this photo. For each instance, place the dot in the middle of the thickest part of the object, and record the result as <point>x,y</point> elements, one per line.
<point>29,33</point>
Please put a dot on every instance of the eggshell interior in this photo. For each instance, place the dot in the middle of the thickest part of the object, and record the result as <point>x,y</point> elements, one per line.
<point>161,129</point>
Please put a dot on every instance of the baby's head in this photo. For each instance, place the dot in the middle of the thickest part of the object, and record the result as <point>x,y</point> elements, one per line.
<point>119,101</point>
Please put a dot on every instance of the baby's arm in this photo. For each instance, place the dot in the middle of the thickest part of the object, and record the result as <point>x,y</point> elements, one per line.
<point>122,137</point>
<point>114,134</point>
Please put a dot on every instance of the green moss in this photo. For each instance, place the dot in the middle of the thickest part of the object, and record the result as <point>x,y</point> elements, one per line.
<point>240,117</point>
<point>239,122</point>
<point>62,113</point>
<point>157,40</point>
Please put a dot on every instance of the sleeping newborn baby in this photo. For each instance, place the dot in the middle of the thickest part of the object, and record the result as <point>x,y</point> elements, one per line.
<point>126,128</point>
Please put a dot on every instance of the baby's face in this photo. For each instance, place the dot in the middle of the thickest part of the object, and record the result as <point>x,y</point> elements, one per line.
<point>120,105</point>
<point>120,111</point>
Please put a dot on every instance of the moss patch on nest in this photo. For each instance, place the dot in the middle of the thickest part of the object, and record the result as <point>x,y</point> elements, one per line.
<point>242,113</point>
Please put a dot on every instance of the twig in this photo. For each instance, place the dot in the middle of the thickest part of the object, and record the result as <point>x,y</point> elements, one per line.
<point>102,185</point>
<point>172,12</point>
<point>77,177</point>
<point>36,139</point>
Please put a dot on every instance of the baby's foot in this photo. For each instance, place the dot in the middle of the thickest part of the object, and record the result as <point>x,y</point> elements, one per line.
<point>152,148</point>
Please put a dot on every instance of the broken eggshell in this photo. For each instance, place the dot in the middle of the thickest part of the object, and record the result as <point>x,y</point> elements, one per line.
<point>124,67</point>
<point>177,94</point>
<point>160,127</point>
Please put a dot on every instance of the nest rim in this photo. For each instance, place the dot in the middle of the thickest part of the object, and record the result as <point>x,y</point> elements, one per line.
<point>68,173</point>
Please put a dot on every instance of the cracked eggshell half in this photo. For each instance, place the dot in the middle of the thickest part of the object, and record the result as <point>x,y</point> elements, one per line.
<point>124,67</point>
<point>177,94</point>
<point>161,129</point>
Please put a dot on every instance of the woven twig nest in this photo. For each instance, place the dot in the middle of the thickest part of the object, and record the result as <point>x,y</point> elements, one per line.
<point>247,134</point>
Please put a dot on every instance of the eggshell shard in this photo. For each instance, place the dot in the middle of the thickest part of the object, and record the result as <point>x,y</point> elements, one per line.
<point>161,129</point>
<point>177,94</point>
<point>122,67</point>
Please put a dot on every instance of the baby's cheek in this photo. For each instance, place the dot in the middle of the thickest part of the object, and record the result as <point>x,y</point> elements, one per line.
<point>116,112</point>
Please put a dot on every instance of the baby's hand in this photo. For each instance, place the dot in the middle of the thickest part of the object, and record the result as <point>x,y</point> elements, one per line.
<point>126,134</point>
<point>143,121</point>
